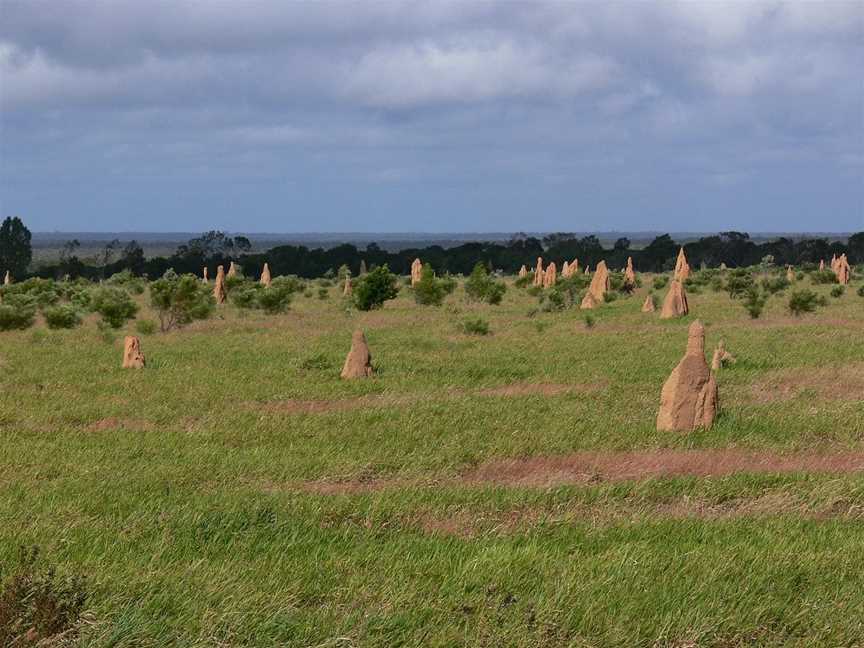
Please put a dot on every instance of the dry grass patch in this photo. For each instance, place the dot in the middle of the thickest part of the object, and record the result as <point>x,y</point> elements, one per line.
<point>597,467</point>
<point>115,423</point>
<point>841,382</point>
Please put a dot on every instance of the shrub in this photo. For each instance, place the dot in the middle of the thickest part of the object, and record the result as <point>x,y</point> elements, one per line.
<point>17,312</point>
<point>754,301</point>
<point>429,291</point>
<point>837,291</point>
<point>609,297</point>
<point>660,282</point>
<point>481,287</point>
<point>128,281</point>
<point>37,608</point>
<point>739,282</point>
<point>861,291</point>
<point>475,326</point>
<point>245,295</point>
<point>589,320</point>
<point>114,305</point>
<point>803,301</point>
<point>288,284</point>
<point>774,285</point>
<point>374,288</point>
<point>179,300</point>
<point>64,316</point>
<point>323,293</point>
<point>276,298</point>
<point>145,327</point>
<point>39,292</point>
<point>823,277</point>
<point>448,283</point>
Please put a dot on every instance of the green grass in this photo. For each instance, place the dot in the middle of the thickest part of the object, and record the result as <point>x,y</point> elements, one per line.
<point>189,516</point>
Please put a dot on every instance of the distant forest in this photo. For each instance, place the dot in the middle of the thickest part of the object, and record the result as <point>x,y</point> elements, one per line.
<point>735,249</point>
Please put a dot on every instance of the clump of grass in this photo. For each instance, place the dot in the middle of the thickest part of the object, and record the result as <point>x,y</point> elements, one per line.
<point>861,291</point>
<point>315,361</point>
<point>37,608</point>
<point>837,291</point>
<point>660,282</point>
<point>589,320</point>
<point>475,326</point>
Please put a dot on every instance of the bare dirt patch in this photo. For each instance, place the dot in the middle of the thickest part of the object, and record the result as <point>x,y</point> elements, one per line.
<point>841,382</point>
<point>596,467</point>
<point>469,524</point>
<point>114,423</point>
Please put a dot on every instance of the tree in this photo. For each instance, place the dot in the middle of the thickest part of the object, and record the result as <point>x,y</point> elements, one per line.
<point>70,264</point>
<point>209,244</point>
<point>622,244</point>
<point>107,254</point>
<point>242,244</point>
<point>16,252</point>
<point>133,257</point>
<point>856,248</point>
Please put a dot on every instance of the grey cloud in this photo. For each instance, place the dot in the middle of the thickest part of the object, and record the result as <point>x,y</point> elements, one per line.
<point>403,92</point>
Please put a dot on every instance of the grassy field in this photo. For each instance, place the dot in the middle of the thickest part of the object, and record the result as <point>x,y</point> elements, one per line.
<point>237,493</point>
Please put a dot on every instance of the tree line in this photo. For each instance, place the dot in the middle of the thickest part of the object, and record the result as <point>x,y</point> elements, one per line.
<point>734,249</point>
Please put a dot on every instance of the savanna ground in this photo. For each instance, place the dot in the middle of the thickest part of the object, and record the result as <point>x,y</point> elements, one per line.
<point>500,490</point>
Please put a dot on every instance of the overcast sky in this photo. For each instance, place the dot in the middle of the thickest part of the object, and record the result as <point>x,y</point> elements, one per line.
<point>432,116</point>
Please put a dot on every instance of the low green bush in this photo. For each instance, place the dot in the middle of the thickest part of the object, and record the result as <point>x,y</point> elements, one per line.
<point>475,326</point>
<point>804,301</point>
<point>374,288</point>
<point>480,286</point>
<point>114,305</point>
<point>145,327</point>
<point>754,301</point>
<point>823,277</point>
<point>178,300</point>
<point>63,316</point>
<point>429,291</point>
<point>17,312</point>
